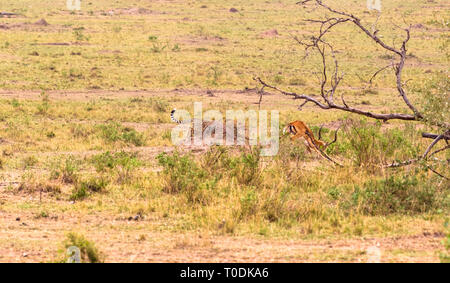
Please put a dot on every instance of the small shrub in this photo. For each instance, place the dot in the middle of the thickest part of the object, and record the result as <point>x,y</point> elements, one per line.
<point>15,103</point>
<point>84,188</point>
<point>88,251</point>
<point>435,99</point>
<point>130,135</point>
<point>249,204</point>
<point>160,106</point>
<point>50,135</point>
<point>79,193</point>
<point>80,131</point>
<point>246,168</point>
<point>29,161</point>
<point>183,175</point>
<point>45,104</point>
<point>79,34</point>
<point>31,186</point>
<point>66,171</point>
<point>369,146</point>
<point>297,82</point>
<point>42,214</point>
<point>113,132</point>
<point>124,162</point>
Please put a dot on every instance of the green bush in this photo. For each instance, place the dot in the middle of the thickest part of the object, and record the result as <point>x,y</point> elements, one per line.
<point>183,175</point>
<point>435,96</point>
<point>445,256</point>
<point>406,195</point>
<point>113,132</point>
<point>45,104</point>
<point>84,188</point>
<point>249,205</point>
<point>369,146</point>
<point>66,171</point>
<point>29,161</point>
<point>123,162</point>
<point>88,251</point>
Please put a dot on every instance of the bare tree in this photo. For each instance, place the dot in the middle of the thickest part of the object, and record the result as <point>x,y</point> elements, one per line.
<point>331,77</point>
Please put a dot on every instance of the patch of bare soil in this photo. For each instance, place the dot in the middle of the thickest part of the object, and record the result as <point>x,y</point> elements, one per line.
<point>41,25</point>
<point>269,33</point>
<point>135,11</point>
<point>191,39</point>
<point>27,238</point>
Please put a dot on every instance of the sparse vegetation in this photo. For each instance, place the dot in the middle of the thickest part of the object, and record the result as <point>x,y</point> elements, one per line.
<point>113,132</point>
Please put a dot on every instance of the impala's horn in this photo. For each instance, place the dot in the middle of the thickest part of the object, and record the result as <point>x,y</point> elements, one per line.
<point>335,138</point>
<point>320,132</point>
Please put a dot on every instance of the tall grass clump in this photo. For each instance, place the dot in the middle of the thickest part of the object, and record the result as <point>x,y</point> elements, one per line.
<point>369,146</point>
<point>83,189</point>
<point>182,175</point>
<point>89,253</point>
<point>246,168</point>
<point>396,195</point>
<point>113,132</point>
<point>66,171</point>
<point>123,163</point>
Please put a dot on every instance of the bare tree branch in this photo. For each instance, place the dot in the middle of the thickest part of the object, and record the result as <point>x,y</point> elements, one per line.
<point>329,84</point>
<point>433,136</point>
<point>439,150</point>
<point>437,173</point>
<point>436,140</point>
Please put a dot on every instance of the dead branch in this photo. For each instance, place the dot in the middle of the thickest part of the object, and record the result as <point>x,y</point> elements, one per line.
<point>437,173</point>
<point>434,136</point>
<point>425,154</point>
<point>439,150</point>
<point>6,14</point>
<point>435,141</point>
<point>329,82</point>
<point>379,71</point>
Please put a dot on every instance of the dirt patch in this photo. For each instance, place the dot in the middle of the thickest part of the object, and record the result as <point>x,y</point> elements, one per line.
<point>135,11</point>
<point>42,22</point>
<point>269,33</point>
<point>8,57</point>
<point>106,51</point>
<point>41,25</point>
<point>418,26</point>
<point>23,234</point>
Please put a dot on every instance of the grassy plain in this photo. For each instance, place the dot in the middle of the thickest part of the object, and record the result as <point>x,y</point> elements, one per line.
<point>84,118</point>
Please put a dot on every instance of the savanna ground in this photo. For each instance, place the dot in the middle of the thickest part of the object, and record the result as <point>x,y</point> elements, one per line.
<point>85,99</point>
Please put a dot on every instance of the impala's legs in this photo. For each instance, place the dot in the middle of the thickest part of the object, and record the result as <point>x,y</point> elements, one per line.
<point>310,144</point>
<point>307,141</point>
